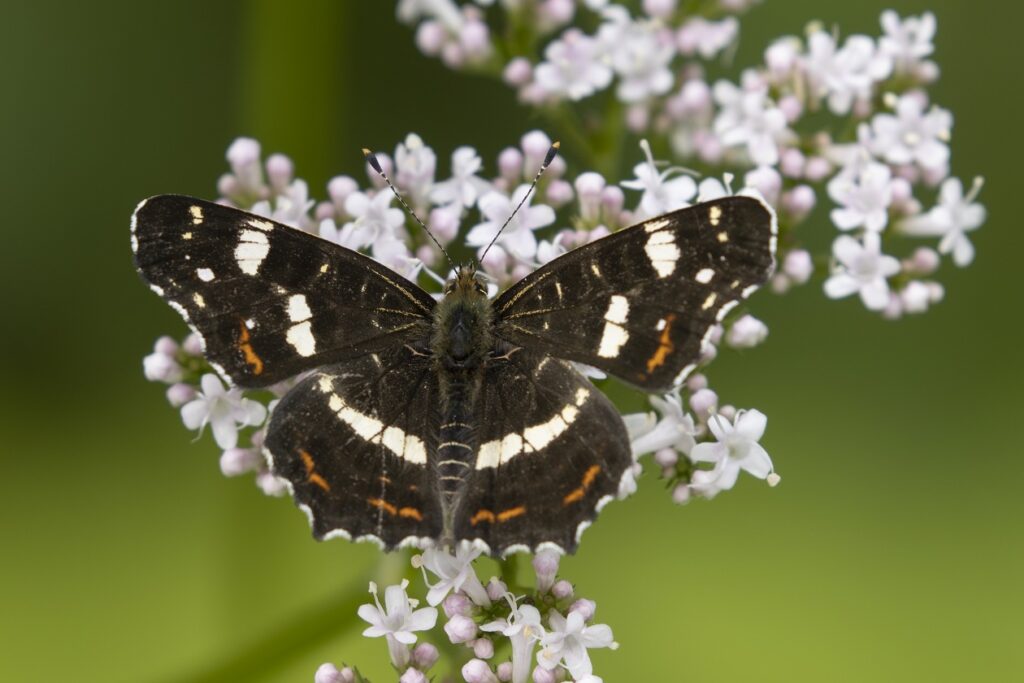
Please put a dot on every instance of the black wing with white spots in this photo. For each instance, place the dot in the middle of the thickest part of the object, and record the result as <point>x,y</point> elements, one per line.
<point>356,441</point>
<point>639,303</point>
<point>270,301</point>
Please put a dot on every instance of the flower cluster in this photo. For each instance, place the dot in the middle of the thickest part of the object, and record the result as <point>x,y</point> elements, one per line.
<point>540,633</point>
<point>778,120</point>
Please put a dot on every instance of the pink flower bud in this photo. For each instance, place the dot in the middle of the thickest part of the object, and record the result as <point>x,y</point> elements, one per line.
<point>791,108</point>
<point>542,675</point>
<point>483,648</point>
<point>696,381</point>
<point>585,608</point>
<point>279,171</point>
<point>659,9</point>
<point>412,675</point>
<point>817,169</point>
<point>504,672</point>
<point>924,261</point>
<point>460,629</point>
<point>792,162</point>
<point>667,457</point>
<point>554,13</point>
<point>798,265</point>
<point>562,589</point>
<point>613,199</point>
<point>559,193</point>
<point>517,72</point>
<point>747,332</point>
<point>237,461</point>
<point>270,484</point>
<point>193,345</point>
<point>510,164</point>
<point>475,39</point>
<point>477,671</point>
<point>180,394</point>
<point>430,37</point>
<point>681,494</point>
<point>496,588</point>
<point>799,201</point>
<point>457,604</point>
<point>339,188</point>
<point>703,402</point>
<point>328,673</point>
<point>243,153</point>
<point>545,565</point>
<point>165,345</point>
<point>424,656</point>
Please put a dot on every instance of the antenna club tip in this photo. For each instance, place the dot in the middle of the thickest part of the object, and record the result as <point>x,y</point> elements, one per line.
<point>550,156</point>
<point>371,158</point>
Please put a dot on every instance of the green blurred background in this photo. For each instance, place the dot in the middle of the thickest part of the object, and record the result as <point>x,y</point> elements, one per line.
<point>892,551</point>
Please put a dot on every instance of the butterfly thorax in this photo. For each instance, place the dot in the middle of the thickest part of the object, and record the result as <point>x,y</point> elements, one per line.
<point>461,344</point>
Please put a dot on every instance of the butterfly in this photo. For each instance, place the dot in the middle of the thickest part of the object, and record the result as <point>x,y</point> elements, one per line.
<point>429,422</point>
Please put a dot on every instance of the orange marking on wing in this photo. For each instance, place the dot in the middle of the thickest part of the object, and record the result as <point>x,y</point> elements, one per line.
<point>482,516</point>
<point>307,460</point>
<point>319,481</point>
<point>412,513</point>
<point>511,513</point>
<point>383,505</point>
<point>588,478</point>
<point>665,345</point>
<point>254,361</point>
<point>574,495</point>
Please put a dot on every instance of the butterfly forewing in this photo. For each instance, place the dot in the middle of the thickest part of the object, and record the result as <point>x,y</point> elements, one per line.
<point>270,301</point>
<point>639,303</point>
<point>355,441</point>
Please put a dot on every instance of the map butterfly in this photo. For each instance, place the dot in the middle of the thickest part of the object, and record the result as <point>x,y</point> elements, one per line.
<point>424,421</point>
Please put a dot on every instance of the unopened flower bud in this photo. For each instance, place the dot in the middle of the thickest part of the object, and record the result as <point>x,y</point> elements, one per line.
<point>460,629</point>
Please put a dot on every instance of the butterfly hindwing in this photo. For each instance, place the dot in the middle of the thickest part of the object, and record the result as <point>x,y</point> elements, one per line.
<point>638,303</point>
<point>268,300</point>
<point>355,441</point>
<point>551,449</point>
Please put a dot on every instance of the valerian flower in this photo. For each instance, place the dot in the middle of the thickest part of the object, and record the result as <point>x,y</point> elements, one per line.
<point>224,410</point>
<point>863,269</point>
<point>953,217</point>
<point>736,448</point>
<point>568,640</point>
<point>396,620</point>
<point>455,572</point>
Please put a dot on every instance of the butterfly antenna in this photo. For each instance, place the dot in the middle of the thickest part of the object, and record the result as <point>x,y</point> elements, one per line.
<point>371,158</point>
<point>548,158</point>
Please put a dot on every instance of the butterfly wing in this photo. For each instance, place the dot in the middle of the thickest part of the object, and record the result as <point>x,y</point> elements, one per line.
<point>354,440</point>
<point>551,449</point>
<point>639,303</point>
<point>270,301</point>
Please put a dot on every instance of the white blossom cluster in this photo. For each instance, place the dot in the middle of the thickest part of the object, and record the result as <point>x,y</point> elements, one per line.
<point>777,120</point>
<point>540,633</point>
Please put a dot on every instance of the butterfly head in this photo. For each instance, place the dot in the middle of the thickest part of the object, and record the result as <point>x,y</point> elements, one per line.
<point>469,284</point>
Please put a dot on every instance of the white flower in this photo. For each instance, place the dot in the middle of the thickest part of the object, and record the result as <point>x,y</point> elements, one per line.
<point>675,429</point>
<point>373,215</point>
<point>864,194</point>
<point>844,74</point>
<point>568,642</point>
<point>911,135</point>
<point>750,118</point>
<point>517,238</point>
<point>640,54</point>
<point>464,187</point>
<point>455,573</point>
<point>736,448</point>
<point>863,268</point>
<point>415,164</point>
<point>409,11</point>
<point>953,217</point>
<point>523,629</point>
<point>397,622</point>
<point>574,67</point>
<point>707,38</point>
<point>224,411</point>
<point>291,207</point>
<point>661,194</point>
<point>909,41</point>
